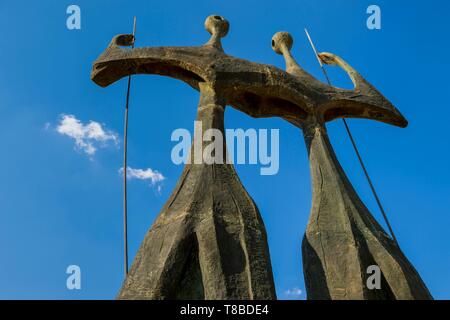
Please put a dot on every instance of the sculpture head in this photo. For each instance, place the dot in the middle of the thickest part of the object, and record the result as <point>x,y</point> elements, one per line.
<point>282,41</point>
<point>217,25</point>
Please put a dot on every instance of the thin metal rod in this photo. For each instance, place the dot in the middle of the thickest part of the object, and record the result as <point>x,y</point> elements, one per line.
<point>369,181</point>
<point>355,147</point>
<point>318,58</point>
<point>125,168</point>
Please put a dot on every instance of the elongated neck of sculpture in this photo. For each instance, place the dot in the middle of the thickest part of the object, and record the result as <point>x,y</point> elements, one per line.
<point>338,216</point>
<point>322,158</point>
<point>210,108</point>
<point>291,64</point>
<point>332,190</point>
<point>209,138</point>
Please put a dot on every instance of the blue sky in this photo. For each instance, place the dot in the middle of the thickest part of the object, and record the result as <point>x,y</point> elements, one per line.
<point>60,206</point>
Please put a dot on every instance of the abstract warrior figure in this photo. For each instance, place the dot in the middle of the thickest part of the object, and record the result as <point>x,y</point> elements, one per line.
<point>209,241</point>
<point>342,238</point>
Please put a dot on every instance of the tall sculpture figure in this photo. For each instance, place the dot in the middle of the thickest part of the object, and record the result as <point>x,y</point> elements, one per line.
<point>342,238</point>
<point>209,240</point>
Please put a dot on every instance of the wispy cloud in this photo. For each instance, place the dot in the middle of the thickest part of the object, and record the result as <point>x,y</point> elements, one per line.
<point>88,137</point>
<point>293,293</point>
<point>144,174</point>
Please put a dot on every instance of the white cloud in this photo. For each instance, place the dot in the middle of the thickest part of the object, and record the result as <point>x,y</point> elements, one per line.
<point>144,174</point>
<point>294,292</point>
<point>87,136</point>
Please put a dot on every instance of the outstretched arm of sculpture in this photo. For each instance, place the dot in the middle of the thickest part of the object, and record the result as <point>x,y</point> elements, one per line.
<point>253,88</point>
<point>363,101</point>
<point>332,59</point>
<point>259,90</point>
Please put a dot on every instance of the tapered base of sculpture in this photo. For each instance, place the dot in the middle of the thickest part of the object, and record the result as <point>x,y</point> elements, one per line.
<point>209,241</point>
<point>343,239</point>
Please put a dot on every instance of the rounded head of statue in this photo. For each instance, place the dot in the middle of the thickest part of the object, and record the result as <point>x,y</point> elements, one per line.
<point>217,25</point>
<point>281,40</point>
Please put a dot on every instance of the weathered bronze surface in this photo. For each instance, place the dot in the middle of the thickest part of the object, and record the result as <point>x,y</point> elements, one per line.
<point>209,240</point>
